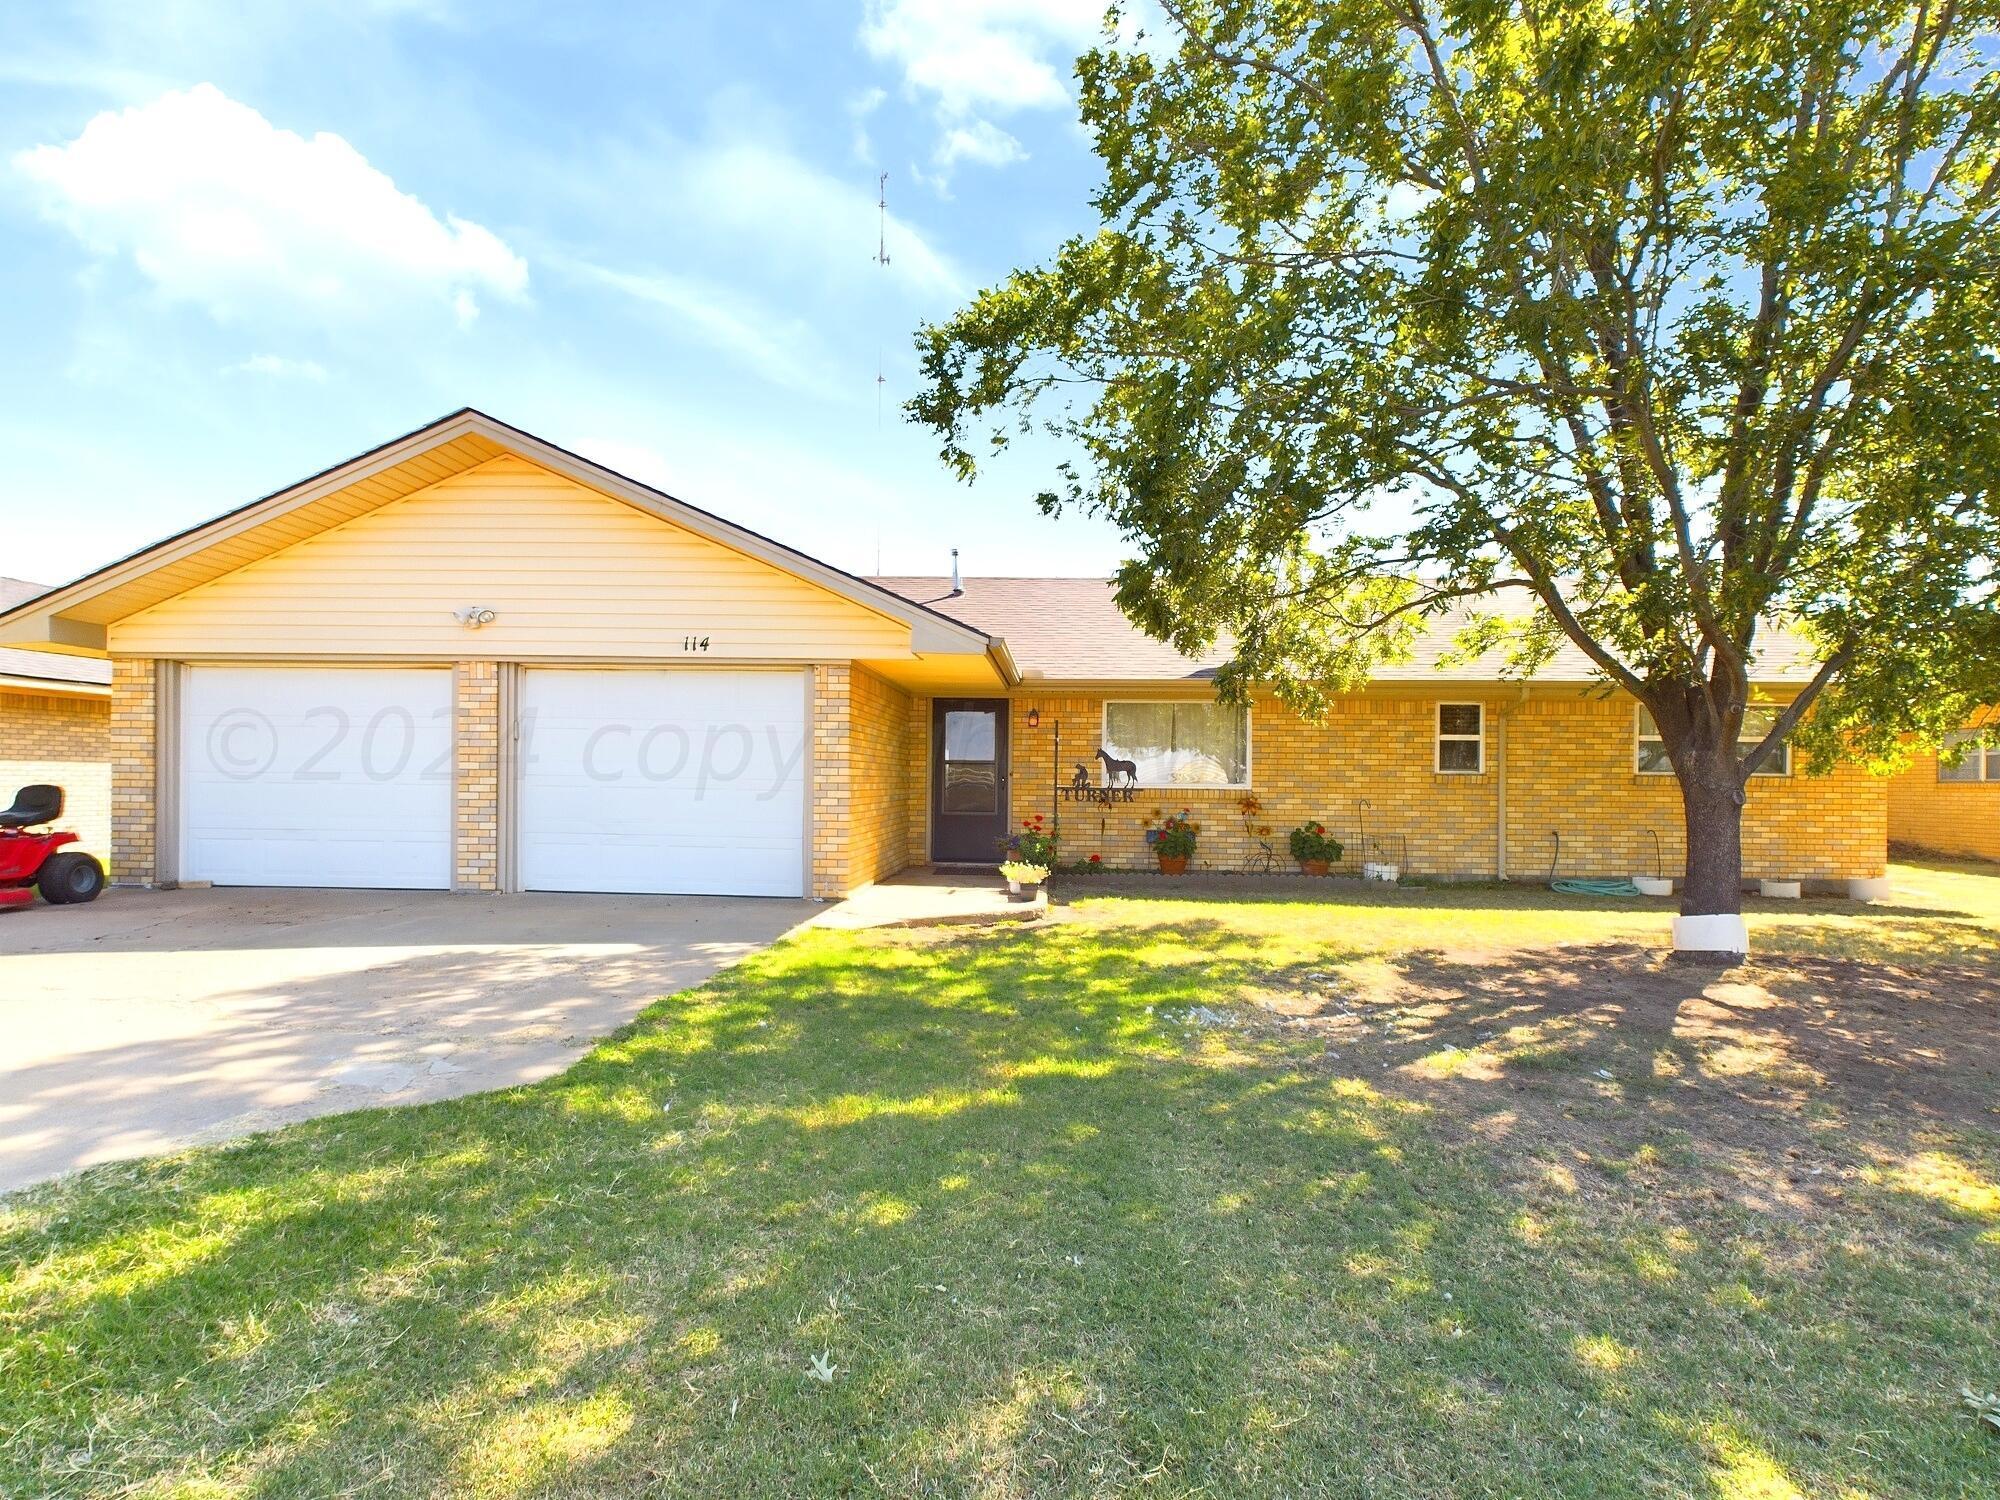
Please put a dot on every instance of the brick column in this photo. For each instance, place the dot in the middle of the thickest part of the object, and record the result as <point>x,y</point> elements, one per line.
<point>134,770</point>
<point>475,687</point>
<point>832,782</point>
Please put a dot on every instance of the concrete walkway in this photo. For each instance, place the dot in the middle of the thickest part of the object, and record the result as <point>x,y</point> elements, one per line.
<point>933,898</point>
<point>152,1020</point>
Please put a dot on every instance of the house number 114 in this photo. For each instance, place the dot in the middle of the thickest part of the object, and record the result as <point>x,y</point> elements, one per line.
<point>694,643</point>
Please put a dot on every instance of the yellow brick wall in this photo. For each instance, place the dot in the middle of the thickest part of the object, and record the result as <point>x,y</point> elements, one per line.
<point>133,762</point>
<point>66,740</point>
<point>1566,756</point>
<point>860,754</point>
<point>917,783</point>
<point>1370,750</point>
<point>832,780</point>
<point>1944,817</point>
<point>476,768</point>
<point>1571,771</point>
<point>878,758</point>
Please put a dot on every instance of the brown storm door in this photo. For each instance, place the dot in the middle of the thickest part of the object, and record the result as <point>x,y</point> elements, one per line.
<point>968,779</point>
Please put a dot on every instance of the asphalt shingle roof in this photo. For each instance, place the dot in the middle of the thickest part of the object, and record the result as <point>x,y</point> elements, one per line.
<point>1072,628</point>
<point>49,666</point>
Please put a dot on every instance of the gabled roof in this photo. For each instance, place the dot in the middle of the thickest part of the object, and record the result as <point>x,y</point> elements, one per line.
<point>72,617</point>
<point>1072,629</point>
<point>48,670</point>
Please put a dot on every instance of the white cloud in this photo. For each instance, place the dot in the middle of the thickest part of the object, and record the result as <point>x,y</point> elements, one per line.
<point>974,58</point>
<point>217,206</point>
<point>980,141</point>
<point>278,367</point>
<point>983,54</point>
<point>774,206</point>
<point>778,349</point>
<point>633,460</point>
<point>859,108</point>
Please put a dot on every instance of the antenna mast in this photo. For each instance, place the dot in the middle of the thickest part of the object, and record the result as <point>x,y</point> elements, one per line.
<point>882,220</point>
<point>882,260</point>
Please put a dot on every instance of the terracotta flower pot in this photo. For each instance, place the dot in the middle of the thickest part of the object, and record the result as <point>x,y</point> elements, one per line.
<point>1173,864</point>
<point>1315,866</point>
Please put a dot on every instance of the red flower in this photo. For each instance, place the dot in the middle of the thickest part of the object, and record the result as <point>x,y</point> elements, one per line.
<point>1097,859</point>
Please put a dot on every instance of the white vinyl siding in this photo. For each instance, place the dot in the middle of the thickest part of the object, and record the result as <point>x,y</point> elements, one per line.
<point>1180,744</point>
<point>569,573</point>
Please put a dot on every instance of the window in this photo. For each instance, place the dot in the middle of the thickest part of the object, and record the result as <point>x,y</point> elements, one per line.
<point>971,769</point>
<point>1461,738</point>
<point>1981,763</point>
<point>1181,744</point>
<point>1652,754</point>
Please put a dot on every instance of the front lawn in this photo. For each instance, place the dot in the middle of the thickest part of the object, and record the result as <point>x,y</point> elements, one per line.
<point>1386,1196</point>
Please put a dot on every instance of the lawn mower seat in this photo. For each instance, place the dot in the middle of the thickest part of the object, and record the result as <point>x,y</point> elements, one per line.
<point>33,806</point>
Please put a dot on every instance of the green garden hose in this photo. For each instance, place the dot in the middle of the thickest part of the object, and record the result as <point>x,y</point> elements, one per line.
<point>1571,887</point>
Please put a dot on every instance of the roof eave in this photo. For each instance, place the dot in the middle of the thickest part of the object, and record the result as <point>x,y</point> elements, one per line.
<point>42,616</point>
<point>1002,657</point>
<point>56,687</point>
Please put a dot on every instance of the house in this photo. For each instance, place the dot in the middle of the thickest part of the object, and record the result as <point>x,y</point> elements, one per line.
<point>55,726</point>
<point>469,659</point>
<point>1950,809</point>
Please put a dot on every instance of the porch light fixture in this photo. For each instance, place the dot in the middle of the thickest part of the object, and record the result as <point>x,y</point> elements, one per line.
<point>1035,718</point>
<point>474,615</point>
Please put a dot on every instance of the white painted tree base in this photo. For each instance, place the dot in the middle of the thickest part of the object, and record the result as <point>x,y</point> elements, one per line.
<point>1719,933</point>
<point>1874,889</point>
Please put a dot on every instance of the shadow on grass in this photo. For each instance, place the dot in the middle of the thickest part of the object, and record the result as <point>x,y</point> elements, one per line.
<point>1055,1233</point>
<point>1782,1078</point>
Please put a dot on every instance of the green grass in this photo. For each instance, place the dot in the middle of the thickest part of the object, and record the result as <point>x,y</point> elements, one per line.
<point>1056,1238</point>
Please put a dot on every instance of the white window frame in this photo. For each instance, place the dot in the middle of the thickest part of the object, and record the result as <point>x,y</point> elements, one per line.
<point>1980,756</point>
<point>1249,780</point>
<point>1782,761</point>
<point>1439,737</point>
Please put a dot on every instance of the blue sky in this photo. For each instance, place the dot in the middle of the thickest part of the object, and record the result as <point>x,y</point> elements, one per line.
<point>244,241</point>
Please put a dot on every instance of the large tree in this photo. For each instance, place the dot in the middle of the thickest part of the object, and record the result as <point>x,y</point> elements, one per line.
<point>1678,317</point>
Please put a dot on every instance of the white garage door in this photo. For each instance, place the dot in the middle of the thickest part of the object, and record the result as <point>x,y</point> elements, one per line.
<point>331,776</point>
<point>686,782</point>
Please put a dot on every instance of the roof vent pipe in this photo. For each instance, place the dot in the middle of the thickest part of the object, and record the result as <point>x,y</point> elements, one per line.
<point>957,588</point>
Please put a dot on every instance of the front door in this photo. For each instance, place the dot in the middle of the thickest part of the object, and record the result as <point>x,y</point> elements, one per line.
<point>968,779</point>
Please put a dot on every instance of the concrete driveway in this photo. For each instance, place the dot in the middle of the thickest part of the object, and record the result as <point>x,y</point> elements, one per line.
<point>152,1020</point>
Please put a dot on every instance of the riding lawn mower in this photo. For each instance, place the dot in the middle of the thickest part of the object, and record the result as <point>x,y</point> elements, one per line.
<point>31,862</point>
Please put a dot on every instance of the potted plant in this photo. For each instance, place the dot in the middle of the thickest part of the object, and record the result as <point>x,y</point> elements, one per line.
<point>1023,879</point>
<point>1173,843</point>
<point>1314,851</point>
<point>1033,844</point>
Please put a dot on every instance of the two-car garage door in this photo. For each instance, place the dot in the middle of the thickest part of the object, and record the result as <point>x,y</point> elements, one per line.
<point>671,781</point>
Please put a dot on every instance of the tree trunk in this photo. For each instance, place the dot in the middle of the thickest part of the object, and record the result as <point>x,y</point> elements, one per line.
<point>1712,808</point>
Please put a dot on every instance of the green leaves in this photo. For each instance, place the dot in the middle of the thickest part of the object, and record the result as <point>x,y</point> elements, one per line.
<point>1676,320</point>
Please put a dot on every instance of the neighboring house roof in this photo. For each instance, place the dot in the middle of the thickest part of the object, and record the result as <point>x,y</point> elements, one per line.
<point>1072,628</point>
<point>27,667</point>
